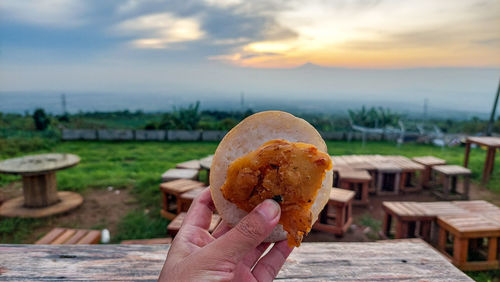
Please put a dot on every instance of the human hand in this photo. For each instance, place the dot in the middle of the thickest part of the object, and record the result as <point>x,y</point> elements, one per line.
<point>228,253</point>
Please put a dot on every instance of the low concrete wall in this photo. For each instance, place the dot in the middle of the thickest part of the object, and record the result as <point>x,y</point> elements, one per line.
<point>196,135</point>
<point>212,135</point>
<point>184,135</point>
<point>115,134</point>
<point>150,135</point>
<point>79,134</point>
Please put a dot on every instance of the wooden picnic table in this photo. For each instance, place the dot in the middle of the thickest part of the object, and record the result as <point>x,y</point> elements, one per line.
<point>492,144</point>
<point>409,261</point>
<point>40,196</point>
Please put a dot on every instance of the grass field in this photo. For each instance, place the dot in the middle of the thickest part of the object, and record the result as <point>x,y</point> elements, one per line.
<point>138,166</point>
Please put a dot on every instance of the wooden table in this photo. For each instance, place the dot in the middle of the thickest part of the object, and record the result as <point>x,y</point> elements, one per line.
<point>40,197</point>
<point>409,261</point>
<point>388,177</point>
<point>407,216</point>
<point>492,143</point>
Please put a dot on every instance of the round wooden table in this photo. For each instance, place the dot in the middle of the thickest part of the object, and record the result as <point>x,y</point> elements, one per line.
<point>41,197</point>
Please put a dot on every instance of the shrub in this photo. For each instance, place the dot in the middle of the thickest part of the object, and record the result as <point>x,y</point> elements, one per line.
<point>41,119</point>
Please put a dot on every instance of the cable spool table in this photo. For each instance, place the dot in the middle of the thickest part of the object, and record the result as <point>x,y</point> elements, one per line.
<point>41,197</point>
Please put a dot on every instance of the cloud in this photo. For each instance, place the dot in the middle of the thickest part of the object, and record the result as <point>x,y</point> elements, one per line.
<point>158,31</point>
<point>373,33</point>
<point>46,13</point>
<point>223,3</point>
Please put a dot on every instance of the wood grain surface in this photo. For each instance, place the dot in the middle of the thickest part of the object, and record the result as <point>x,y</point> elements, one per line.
<point>387,261</point>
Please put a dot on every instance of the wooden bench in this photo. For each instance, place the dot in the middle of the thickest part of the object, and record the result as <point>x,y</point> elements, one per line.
<point>449,177</point>
<point>388,177</point>
<point>193,164</point>
<point>174,226</point>
<point>336,217</point>
<point>185,200</point>
<point>66,236</point>
<point>428,162</point>
<point>172,190</point>
<point>462,238</point>
<point>357,181</point>
<point>411,220</point>
<point>155,241</point>
<point>179,173</point>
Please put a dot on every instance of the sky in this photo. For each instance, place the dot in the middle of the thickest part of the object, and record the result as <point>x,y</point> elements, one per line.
<point>447,50</point>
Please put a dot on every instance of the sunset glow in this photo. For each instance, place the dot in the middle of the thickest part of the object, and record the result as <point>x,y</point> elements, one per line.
<point>386,34</point>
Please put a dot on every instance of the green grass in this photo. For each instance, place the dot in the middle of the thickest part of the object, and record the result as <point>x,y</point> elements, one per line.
<point>375,226</point>
<point>485,276</point>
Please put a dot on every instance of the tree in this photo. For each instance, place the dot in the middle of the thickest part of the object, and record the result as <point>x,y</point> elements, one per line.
<point>41,119</point>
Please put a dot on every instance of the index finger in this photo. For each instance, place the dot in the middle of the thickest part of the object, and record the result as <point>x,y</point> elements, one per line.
<point>200,212</point>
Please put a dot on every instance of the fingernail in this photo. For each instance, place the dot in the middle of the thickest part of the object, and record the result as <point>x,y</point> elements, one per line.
<point>269,209</point>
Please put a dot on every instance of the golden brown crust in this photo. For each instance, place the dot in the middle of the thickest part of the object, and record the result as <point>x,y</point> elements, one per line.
<point>247,136</point>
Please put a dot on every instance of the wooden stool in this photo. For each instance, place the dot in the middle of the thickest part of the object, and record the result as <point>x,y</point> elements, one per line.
<point>428,162</point>
<point>372,170</point>
<point>336,178</point>
<point>185,200</point>
<point>336,216</point>
<point>171,192</point>
<point>193,164</point>
<point>412,220</point>
<point>205,164</point>
<point>357,181</point>
<point>466,234</point>
<point>389,175</point>
<point>156,241</point>
<point>440,208</point>
<point>449,176</point>
<point>65,236</point>
<point>179,173</point>
<point>174,226</point>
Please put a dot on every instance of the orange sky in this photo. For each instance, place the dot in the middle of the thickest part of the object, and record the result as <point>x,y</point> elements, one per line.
<point>385,34</point>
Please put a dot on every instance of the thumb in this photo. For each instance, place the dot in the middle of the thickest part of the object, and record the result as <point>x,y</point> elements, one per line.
<point>248,233</point>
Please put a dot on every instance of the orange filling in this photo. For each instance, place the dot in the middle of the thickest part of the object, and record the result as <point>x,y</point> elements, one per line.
<point>290,173</point>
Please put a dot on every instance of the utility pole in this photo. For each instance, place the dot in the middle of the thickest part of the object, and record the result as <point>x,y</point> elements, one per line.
<point>242,100</point>
<point>63,101</point>
<point>426,108</point>
<point>493,111</point>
